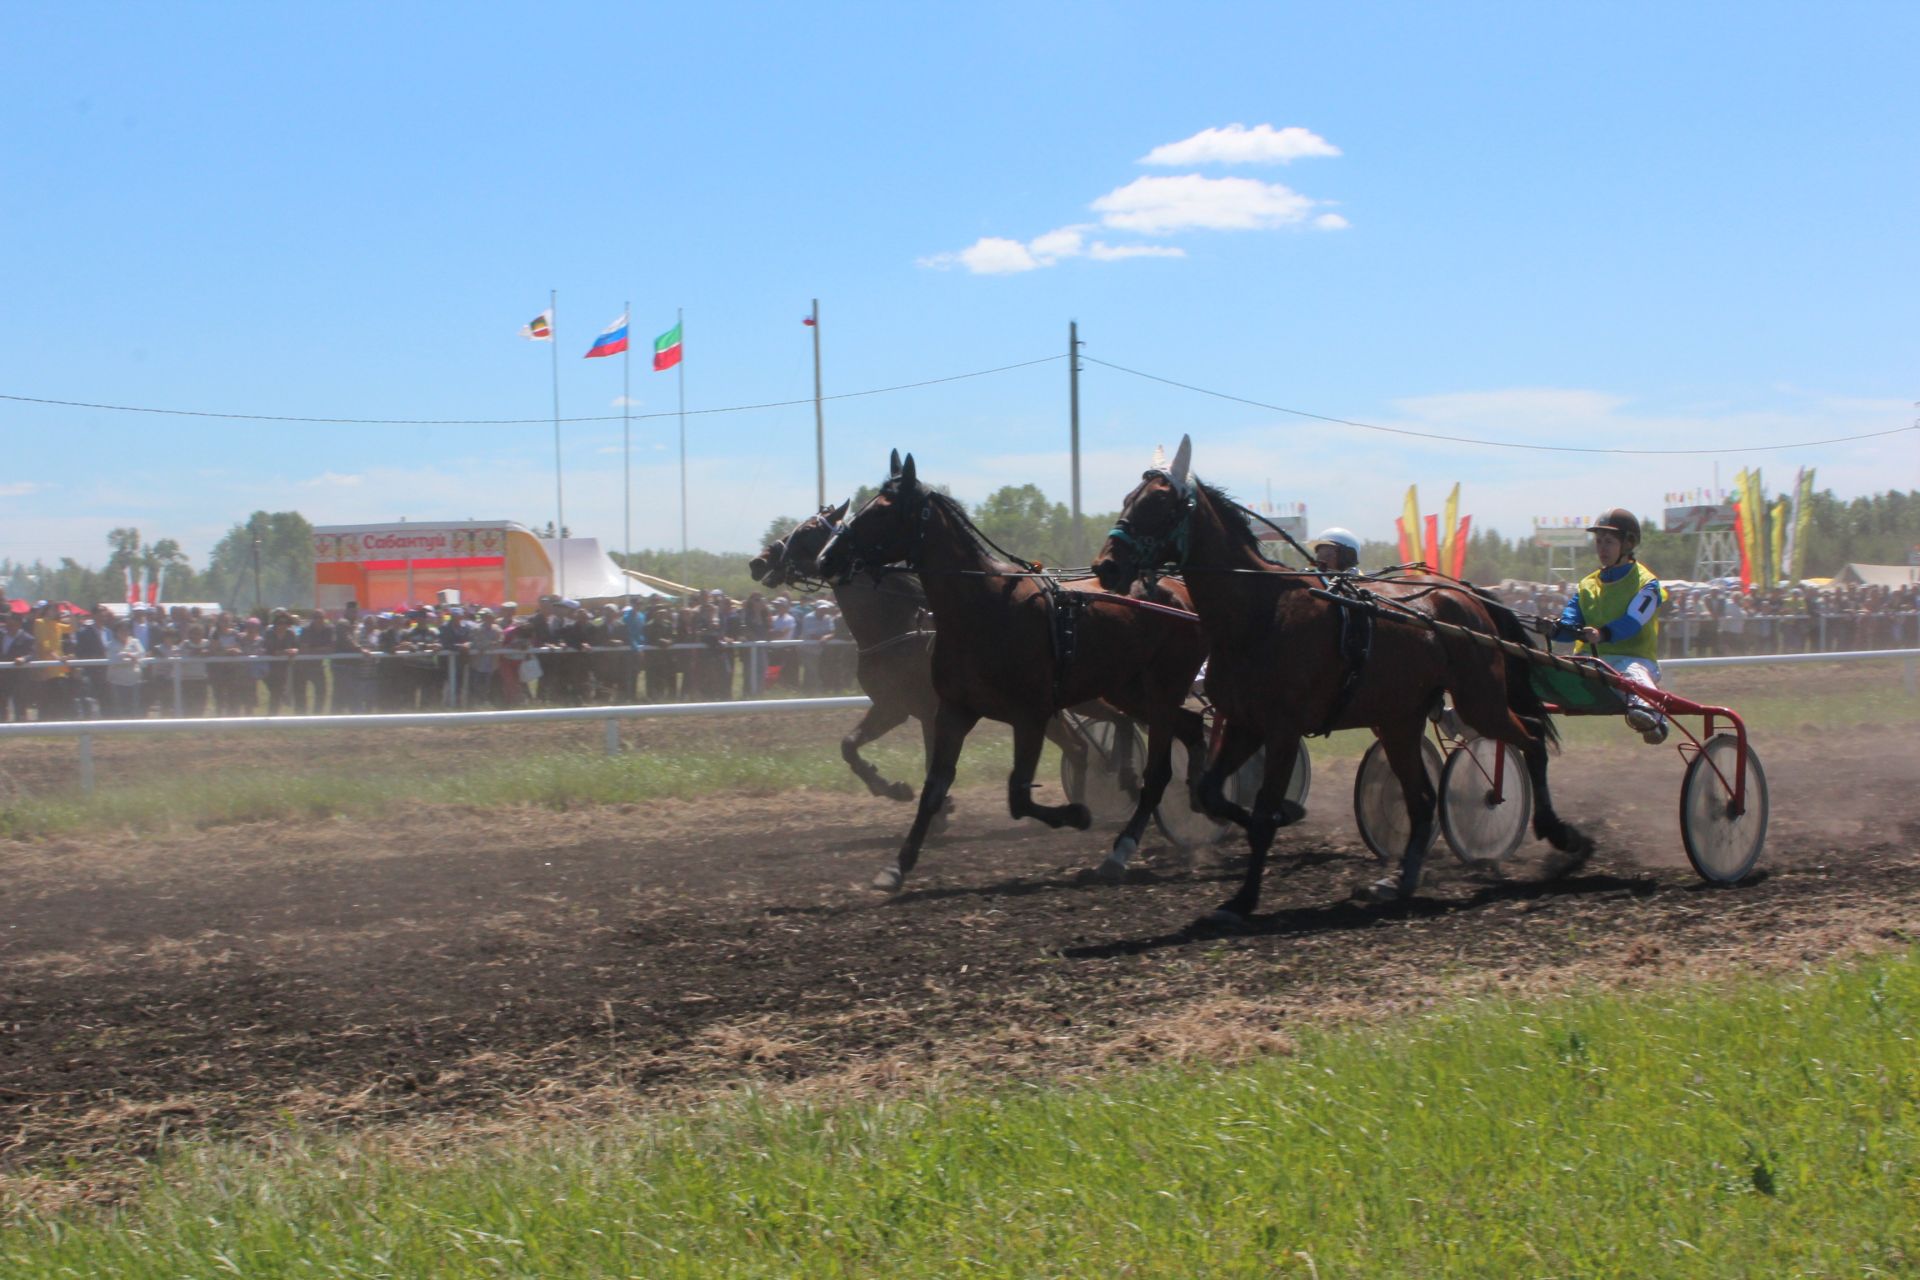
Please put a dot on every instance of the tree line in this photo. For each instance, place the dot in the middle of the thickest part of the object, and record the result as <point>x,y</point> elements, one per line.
<point>267,559</point>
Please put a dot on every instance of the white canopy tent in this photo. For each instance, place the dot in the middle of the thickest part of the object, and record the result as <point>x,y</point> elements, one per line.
<point>583,571</point>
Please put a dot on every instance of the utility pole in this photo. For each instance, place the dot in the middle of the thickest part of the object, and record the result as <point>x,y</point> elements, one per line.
<point>259,596</point>
<point>819,420</point>
<point>1073,413</point>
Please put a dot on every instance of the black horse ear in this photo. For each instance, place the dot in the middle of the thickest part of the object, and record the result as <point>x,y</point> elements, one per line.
<point>906,472</point>
<point>839,513</point>
<point>893,464</point>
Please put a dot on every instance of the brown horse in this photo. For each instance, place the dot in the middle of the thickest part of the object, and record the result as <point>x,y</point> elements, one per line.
<point>893,629</point>
<point>891,626</point>
<point>1016,647</point>
<point>1277,669</point>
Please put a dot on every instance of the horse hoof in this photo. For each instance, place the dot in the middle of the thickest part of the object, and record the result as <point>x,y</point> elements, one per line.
<point>888,879</point>
<point>1079,817</point>
<point>899,791</point>
<point>1110,872</point>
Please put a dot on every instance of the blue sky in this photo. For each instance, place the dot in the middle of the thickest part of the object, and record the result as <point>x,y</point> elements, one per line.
<point>1643,226</point>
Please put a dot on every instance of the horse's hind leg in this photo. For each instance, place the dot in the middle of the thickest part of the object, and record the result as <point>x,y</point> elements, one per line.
<point>951,727</point>
<point>1402,743</point>
<point>1153,786</point>
<point>1548,825</point>
<point>880,720</point>
<point>1236,748</point>
<point>1028,738</point>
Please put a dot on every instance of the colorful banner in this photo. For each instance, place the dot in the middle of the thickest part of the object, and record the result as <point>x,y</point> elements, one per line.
<point>1449,529</point>
<point>1459,566</point>
<point>1409,526</point>
<point>1802,523</point>
<point>1430,553</point>
<point>1779,519</point>
<point>1740,540</point>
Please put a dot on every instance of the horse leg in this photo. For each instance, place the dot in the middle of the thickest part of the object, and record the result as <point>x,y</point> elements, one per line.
<point>880,720</point>
<point>1074,752</point>
<point>1029,736</point>
<point>1236,748</point>
<point>1548,825</point>
<point>1153,788</point>
<point>1271,811</point>
<point>927,732</point>
<point>951,727</point>
<point>1402,744</point>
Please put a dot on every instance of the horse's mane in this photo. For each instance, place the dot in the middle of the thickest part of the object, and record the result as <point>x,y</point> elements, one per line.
<point>1231,515</point>
<point>951,506</point>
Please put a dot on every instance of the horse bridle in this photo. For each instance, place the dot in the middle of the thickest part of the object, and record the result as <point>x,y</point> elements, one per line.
<point>1150,550</point>
<point>857,556</point>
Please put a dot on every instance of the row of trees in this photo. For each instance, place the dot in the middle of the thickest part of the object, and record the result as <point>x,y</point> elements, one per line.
<point>268,558</point>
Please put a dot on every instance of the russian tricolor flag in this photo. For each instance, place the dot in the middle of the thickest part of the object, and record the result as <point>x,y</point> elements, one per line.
<point>612,340</point>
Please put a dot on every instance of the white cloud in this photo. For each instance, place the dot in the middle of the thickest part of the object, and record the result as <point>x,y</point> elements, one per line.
<point>1100,251</point>
<point>19,488</point>
<point>633,402</point>
<point>1331,222</point>
<point>1237,144</point>
<point>1064,243</point>
<point>1156,206</point>
<point>996,255</point>
<point>333,480</point>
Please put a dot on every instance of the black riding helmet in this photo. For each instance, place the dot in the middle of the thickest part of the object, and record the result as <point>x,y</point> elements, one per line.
<point>1621,521</point>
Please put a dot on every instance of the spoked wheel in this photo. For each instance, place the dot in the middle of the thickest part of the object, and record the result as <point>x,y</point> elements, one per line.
<point>1483,823</point>
<point>1188,828</point>
<point>1723,847</point>
<point>1378,807</point>
<point>1098,786</point>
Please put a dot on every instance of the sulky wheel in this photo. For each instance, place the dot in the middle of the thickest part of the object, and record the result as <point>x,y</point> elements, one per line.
<point>1483,824</point>
<point>1378,806</point>
<point>1099,787</point>
<point>1187,828</point>
<point>1722,846</point>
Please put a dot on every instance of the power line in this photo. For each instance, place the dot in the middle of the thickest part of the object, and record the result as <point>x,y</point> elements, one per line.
<point>513,422</point>
<point>1490,444</point>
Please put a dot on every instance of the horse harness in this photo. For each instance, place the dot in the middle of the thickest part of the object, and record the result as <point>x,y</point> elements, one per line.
<point>1356,607</point>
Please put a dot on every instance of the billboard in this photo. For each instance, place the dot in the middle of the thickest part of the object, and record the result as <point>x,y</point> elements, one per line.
<point>1701,518</point>
<point>1560,531</point>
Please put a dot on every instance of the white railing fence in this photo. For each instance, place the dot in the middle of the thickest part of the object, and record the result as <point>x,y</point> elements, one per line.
<point>86,730</point>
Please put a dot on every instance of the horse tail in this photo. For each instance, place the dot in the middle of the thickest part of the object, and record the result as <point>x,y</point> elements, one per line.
<point>1522,698</point>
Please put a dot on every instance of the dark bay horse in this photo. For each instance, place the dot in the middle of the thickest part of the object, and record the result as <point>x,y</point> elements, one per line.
<point>1276,669</point>
<point>1013,647</point>
<point>891,627</point>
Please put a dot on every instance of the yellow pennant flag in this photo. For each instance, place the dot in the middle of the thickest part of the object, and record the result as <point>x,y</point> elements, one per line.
<point>1410,527</point>
<point>1449,528</point>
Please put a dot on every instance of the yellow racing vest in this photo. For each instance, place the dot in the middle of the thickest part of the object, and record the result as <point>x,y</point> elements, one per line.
<point>1605,602</point>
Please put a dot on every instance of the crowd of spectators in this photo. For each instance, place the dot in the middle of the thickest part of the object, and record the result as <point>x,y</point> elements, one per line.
<point>61,662</point>
<point>1707,620</point>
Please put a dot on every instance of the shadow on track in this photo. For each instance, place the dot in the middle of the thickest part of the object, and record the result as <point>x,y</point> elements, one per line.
<point>1345,915</point>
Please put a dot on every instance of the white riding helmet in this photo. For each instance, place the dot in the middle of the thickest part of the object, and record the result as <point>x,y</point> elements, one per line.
<point>1337,537</point>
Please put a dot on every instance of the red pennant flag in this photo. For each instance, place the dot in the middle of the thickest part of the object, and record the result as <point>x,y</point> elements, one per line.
<point>1406,539</point>
<point>1459,569</point>
<point>1432,556</point>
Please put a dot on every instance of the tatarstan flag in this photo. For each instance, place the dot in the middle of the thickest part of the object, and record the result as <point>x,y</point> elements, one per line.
<point>666,349</point>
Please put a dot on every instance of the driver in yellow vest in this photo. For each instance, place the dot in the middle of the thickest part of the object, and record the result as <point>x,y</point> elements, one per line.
<point>1613,614</point>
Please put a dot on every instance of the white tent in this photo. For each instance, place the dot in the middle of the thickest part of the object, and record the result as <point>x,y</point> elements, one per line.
<point>582,571</point>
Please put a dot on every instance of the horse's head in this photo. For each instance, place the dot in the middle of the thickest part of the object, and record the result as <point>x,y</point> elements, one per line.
<point>885,531</point>
<point>796,555</point>
<point>1150,536</point>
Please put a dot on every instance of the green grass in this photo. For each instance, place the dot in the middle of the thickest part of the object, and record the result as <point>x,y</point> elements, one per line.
<point>1764,1128</point>
<point>556,779</point>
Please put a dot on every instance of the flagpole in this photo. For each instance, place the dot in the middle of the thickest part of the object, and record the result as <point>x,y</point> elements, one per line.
<point>819,422</point>
<point>679,325</point>
<point>626,427</point>
<point>559,500</point>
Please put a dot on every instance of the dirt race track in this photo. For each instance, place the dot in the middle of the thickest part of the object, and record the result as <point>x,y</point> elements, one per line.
<point>476,969</point>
